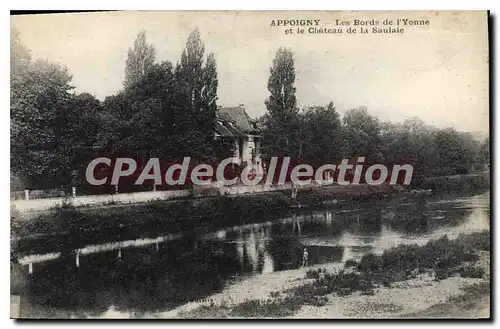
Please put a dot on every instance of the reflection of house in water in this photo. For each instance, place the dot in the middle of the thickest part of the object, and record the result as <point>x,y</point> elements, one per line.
<point>329,217</point>
<point>268,248</point>
<point>252,252</point>
<point>296,225</point>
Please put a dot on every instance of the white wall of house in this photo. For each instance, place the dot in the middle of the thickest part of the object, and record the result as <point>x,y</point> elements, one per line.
<point>251,148</point>
<point>248,146</point>
<point>237,150</point>
<point>247,149</point>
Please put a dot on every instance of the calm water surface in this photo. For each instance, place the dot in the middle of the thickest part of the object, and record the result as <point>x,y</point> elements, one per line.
<point>157,271</point>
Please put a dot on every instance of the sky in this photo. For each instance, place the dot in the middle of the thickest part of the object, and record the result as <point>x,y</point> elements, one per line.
<point>437,72</point>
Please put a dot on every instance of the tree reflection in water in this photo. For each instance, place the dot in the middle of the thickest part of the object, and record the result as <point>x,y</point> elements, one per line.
<point>157,275</point>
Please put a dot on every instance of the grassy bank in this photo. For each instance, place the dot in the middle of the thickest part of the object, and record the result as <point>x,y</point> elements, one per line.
<point>172,216</point>
<point>189,214</point>
<point>466,184</point>
<point>442,258</point>
<point>68,228</point>
<point>473,302</point>
<point>202,215</point>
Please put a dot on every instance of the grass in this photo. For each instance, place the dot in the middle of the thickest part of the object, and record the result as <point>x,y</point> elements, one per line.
<point>205,312</point>
<point>263,309</point>
<point>186,213</point>
<point>254,308</point>
<point>177,216</point>
<point>472,291</point>
<point>470,304</point>
<point>366,308</point>
<point>318,196</point>
<point>471,294</point>
<point>471,272</point>
<point>445,257</point>
<point>464,183</point>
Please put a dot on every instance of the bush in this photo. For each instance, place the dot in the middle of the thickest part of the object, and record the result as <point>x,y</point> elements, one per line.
<point>440,254</point>
<point>16,221</point>
<point>443,273</point>
<point>476,240</point>
<point>343,283</point>
<point>402,258</point>
<point>370,262</point>
<point>463,183</point>
<point>261,309</point>
<point>478,288</point>
<point>471,292</point>
<point>308,294</point>
<point>350,263</point>
<point>471,272</point>
<point>314,274</point>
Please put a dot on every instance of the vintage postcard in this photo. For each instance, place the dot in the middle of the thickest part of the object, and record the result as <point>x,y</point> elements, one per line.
<point>250,164</point>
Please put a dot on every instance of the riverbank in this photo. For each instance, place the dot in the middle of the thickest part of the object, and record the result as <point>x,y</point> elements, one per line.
<point>196,267</point>
<point>89,202</point>
<point>467,184</point>
<point>457,285</point>
<point>191,213</point>
<point>188,213</point>
<point>69,228</point>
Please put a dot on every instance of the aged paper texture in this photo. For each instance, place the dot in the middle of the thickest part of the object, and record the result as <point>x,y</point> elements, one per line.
<point>250,164</point>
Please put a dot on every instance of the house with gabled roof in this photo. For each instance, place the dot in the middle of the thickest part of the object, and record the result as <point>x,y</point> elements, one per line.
<point>233,123</point>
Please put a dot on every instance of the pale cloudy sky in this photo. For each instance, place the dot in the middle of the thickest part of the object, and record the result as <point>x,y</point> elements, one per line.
<point>438,72</point>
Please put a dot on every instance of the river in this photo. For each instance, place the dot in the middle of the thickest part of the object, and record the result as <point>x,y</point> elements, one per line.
<point>156,271</point>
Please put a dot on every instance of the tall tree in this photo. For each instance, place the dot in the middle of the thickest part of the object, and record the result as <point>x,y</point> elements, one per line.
<point>282,126</point>
<point>190,74</point>
<point>209,94</point>
<point>50,125</point>
<point>20,57</point>
<point>321,135</point>
<point>197,98</point>
<point>139,59</point>
<point>457,152</point>
<point>411,142</point>
<point>362,134</point>
<point>281,84</point>
<point>39,108</point>
<point>484,152</point>
<point>151,128</point>
<point>79,128</point>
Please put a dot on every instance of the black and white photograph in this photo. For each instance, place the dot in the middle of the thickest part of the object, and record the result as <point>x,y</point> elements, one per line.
<point>250,165</point>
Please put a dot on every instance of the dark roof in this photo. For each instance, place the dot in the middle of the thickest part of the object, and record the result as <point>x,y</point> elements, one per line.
<point>225,128</point>
<point>234,121</point>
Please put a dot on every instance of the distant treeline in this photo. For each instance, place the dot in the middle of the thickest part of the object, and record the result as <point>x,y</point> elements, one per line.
<point>319,135</point>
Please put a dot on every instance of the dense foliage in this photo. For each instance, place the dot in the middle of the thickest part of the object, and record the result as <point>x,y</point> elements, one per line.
<point>169,111</point>
<point>318,134</point>
<point>162,111</point>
